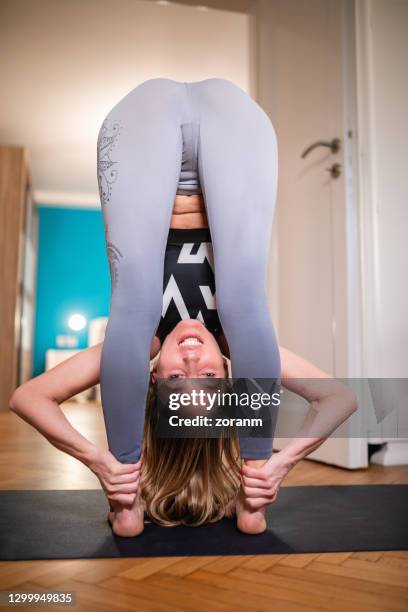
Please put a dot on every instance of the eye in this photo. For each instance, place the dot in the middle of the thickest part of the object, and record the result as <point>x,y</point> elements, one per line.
<point>209,374</point>
<point>173,376</point>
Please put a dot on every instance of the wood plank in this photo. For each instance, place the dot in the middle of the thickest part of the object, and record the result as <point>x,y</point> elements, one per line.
<point>336,558</point>
<point>400,554</point>
<point>367,556</point>
<point>396,563</point>
<point>63,569</point>
<point>121,601</point>
<point>260,563</point>
<point>398,572</point>
<point>298,560</point>
<point>221,589</point>
<point>326,597</point>
<point>18,574</point>
<point>396,597</point>
<point>217,598</point>
<point>106,568</point>
<point>157,593</point>
<point>79,606</point>
<point>147,566</point>
<point>276,594</point>
<point>225,564</point>
<point>362,573</point>
<point>188,565</point>
<point>10,567</point>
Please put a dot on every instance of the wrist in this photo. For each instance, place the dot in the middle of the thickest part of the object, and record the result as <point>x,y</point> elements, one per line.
<point>91,455</point>
<point>285,459</point>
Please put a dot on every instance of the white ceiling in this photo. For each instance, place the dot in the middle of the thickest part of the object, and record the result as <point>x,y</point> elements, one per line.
<point>63,65</point>
<point>241,6</point>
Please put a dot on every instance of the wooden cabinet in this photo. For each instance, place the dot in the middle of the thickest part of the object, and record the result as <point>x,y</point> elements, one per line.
<point>18,249</point>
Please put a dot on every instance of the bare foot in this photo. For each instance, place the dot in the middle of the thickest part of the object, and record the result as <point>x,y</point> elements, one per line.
<point>249,521</point>
<point>127,521</point>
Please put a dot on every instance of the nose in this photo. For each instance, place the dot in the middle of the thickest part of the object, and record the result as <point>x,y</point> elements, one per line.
<point>191,357</point>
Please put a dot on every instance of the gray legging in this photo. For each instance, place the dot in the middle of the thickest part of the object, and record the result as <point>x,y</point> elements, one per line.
<point>139,161</point>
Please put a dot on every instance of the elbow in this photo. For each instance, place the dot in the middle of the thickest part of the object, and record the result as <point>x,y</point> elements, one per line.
<point>16,401</point>
<point>341,399</point>
<point>353,404</point>
<point>349,400</point>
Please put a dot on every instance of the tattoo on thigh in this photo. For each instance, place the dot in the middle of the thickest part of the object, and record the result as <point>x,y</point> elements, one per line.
<point>114,257</point>
<point>107,172</point>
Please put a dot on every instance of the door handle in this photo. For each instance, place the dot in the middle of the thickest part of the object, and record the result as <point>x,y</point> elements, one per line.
<point>333,144</point>
<point>335,170</point>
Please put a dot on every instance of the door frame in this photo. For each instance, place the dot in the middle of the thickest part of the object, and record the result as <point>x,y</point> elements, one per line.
<point>370,288</point>
<point>354,227</point>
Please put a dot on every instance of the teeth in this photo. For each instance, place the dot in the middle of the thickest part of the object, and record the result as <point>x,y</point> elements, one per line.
<point>191,341</point>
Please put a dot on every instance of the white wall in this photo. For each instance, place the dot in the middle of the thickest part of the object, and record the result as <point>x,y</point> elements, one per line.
<point>63,65</point>
<point>382,48</point>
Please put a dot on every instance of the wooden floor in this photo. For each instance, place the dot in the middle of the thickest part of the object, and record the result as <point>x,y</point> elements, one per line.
<point>330,581</point>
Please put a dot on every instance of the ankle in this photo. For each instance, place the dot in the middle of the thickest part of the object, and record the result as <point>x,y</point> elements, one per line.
<point>117,507</point>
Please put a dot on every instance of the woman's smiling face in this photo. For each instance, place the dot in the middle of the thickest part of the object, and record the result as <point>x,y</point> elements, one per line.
<point>190,351</point>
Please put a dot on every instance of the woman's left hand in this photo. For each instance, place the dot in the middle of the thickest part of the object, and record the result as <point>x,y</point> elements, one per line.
<point>261,485</point>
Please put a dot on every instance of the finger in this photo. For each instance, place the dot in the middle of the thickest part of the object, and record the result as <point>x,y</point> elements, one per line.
<point>115,486</point>
<point>125,488</point>
<point>256,482</point>
<point>123,498</point>
<point>123,478</point>
<point>126,468</point>
<point>253,472</point>
<point>258,502</point>
<point>254,492</point>
<point>112,487</point>
<point>132,482</point>
<point>118,472</point>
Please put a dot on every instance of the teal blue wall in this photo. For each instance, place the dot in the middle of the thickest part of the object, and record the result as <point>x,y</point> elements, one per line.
<point>72,275</point>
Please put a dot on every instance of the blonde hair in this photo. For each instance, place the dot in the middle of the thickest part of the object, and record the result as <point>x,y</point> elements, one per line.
<point>187,481</point>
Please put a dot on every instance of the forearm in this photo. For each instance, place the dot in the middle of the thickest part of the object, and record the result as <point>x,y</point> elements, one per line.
<point>324,417</point>
<point>47,417</point>
<point>331,403</point>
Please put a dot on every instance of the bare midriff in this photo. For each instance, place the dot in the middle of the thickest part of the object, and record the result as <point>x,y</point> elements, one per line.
<point>189,212</point>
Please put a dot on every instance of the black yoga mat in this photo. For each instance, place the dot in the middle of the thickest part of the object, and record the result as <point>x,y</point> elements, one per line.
<point>72,525</point>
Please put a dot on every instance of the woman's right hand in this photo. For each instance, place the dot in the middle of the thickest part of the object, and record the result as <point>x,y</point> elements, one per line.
<point>120,481</point>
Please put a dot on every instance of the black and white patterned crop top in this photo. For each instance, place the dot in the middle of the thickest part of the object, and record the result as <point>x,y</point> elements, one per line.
<point>188,281</point>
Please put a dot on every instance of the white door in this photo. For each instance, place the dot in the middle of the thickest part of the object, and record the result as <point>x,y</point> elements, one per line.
<point>304,56</point>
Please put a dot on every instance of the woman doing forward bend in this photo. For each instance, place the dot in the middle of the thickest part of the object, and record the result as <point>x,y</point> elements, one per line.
<point>187,175</point>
